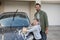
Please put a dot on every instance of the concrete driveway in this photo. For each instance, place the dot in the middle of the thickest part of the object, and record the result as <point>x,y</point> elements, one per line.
<point>54,33</point>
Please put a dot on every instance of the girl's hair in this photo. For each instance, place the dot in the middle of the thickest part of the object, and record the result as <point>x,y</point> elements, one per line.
<point>36,19</point>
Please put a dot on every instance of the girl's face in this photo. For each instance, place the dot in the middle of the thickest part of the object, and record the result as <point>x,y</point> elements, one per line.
<point>35,22</point>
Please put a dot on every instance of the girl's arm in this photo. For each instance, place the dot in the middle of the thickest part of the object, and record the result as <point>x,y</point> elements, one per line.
<point>32,29</point>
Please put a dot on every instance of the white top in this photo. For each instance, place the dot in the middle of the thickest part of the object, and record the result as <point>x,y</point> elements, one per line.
<point>38,16</point>
<point>36,31</point>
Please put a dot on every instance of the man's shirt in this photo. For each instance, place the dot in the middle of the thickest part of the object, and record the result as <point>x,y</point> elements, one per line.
<point>43,19</point>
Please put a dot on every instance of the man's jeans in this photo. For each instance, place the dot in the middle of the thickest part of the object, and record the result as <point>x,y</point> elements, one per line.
<point>44,36</point>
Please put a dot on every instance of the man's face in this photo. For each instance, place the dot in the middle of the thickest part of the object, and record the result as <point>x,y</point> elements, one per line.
<point>37,7</point>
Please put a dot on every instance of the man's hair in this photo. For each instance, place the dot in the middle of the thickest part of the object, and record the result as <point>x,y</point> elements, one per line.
<point>38,4</point>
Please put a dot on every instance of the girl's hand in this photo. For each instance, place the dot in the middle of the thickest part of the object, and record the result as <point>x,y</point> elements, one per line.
<point>24,30</point>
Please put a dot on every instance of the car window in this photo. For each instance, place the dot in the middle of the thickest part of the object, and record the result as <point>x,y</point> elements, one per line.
<point>7,15</point>
<point>19,20</point>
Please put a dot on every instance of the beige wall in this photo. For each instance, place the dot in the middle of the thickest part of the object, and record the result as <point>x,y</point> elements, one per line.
<point>2,7</point>
<point>31,0</point>
<point>32,10</point>
<point>19,0</point>
<point>28,7</point>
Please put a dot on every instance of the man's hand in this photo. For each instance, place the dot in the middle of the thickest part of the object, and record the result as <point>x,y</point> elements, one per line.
<point>46,31</point>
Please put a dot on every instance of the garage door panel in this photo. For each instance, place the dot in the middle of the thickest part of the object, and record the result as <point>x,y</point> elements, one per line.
<point>13,6</point>
<point>53,12</point>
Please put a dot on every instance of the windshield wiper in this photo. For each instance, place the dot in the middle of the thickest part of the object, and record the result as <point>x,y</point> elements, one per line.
<point>13,18</point>
<point>15,14</point>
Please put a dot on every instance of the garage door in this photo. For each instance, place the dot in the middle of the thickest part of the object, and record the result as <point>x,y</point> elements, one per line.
<point>13,6</point>
<point>53,12</point>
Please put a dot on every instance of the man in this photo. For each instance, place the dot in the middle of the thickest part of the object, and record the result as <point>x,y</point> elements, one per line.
<point>41,15</point>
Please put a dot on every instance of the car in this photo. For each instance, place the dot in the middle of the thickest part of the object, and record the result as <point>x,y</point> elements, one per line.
<point>10,22</point>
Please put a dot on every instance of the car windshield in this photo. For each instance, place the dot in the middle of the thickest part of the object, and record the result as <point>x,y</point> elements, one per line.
<point>13,19</point>
<point>11,14</point>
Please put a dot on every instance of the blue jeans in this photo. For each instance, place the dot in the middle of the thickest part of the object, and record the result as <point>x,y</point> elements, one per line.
<point>44,36</point>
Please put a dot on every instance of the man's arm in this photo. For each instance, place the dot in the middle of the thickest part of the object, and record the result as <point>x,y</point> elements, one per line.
<point>46,30</point>
<point>46,23</point>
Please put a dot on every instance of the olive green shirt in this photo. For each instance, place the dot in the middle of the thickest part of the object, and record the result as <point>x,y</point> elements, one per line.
<point>43,20</point>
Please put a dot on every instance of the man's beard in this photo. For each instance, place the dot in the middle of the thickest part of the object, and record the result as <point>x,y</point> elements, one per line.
<point>38,10</point>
